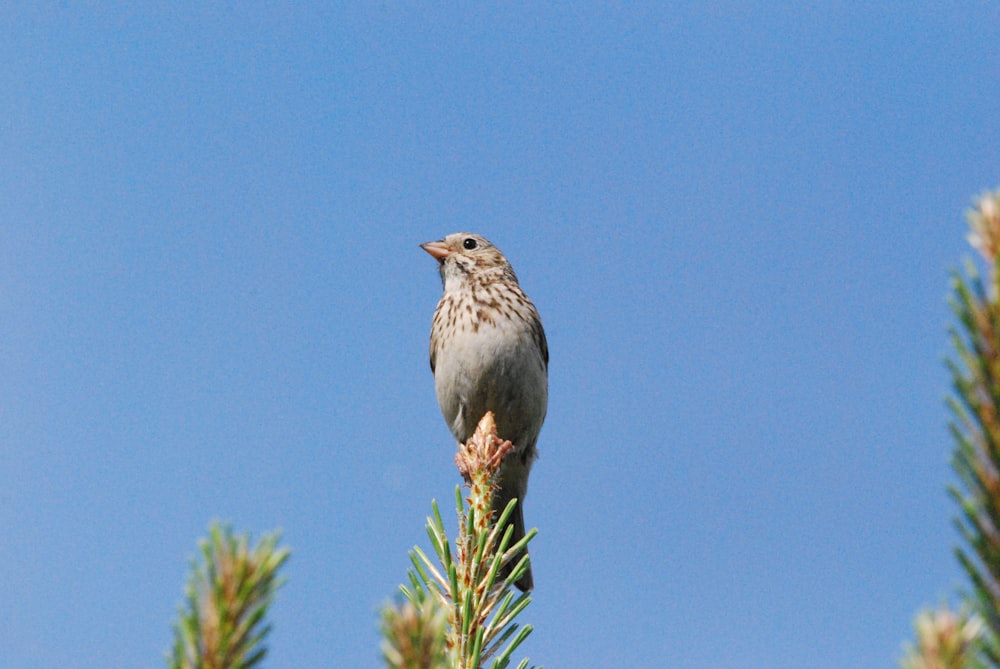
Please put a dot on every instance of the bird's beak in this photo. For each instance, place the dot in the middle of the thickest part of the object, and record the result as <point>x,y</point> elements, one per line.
<point>437,249</point>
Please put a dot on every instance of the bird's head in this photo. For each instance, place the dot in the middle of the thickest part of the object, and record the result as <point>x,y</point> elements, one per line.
<point>464,257</point>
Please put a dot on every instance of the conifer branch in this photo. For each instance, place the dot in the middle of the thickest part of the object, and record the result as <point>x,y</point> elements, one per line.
<point>222,622</point>
<point>463,588</point>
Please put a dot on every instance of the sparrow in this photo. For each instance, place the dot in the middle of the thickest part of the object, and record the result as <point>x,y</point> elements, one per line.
<point>488,353</point>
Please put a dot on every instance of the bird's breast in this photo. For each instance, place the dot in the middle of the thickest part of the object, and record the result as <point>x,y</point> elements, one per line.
<point>496,367</point>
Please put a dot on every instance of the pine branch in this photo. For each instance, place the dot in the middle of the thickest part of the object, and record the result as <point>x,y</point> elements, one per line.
<point>975,427</point>
<point>945,640</point>
<point>462,587</point>
<point>414,636</point>
<point>222,622</point>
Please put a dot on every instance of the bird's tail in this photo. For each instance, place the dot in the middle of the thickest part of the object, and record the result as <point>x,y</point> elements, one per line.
<point>500,502</point>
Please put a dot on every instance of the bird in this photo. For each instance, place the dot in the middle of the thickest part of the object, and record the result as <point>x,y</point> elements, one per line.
<point>488,353</point>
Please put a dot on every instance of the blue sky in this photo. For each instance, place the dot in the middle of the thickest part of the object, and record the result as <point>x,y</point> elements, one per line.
<point>737,221</point>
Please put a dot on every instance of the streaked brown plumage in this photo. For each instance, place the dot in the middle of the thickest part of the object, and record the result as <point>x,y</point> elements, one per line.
<point>488,353</point>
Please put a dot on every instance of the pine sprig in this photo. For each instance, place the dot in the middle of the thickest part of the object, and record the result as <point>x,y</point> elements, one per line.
<point>975,424</point>
<point>414,635</point>
<point>462,585</point>
<point>945,639</point>
<point>222,622</point>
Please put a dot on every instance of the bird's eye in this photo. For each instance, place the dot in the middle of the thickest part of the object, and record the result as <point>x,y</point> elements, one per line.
<point>469,243</point>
